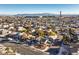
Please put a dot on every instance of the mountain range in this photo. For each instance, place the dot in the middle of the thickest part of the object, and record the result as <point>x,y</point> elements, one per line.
<point>46,14</point>
<point>39,14</point>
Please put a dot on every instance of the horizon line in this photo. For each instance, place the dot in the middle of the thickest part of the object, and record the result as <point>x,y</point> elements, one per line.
<point>63,13</point>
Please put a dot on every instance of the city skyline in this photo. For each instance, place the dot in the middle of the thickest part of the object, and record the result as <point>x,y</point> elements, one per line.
<point>39,8</point>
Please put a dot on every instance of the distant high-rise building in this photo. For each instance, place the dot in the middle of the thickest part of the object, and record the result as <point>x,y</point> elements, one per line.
<point>60,13</point>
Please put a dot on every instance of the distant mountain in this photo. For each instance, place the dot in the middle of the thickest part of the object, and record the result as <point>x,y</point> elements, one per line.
<point>46,14</point>
<point>40,14</point>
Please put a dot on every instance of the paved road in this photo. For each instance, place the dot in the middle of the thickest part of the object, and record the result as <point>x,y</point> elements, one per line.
<point>75,48</point>
<point>26,50</point>
<point>23,49</point>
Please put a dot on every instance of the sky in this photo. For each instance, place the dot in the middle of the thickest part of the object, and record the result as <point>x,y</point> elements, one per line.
<point>39,8</point>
